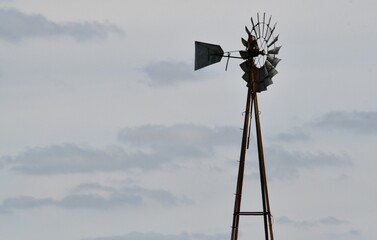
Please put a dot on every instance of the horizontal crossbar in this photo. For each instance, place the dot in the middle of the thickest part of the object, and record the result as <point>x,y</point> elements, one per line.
<point>253,213</point>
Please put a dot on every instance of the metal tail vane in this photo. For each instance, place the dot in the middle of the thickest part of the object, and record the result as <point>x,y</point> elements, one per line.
<point>259,66</point>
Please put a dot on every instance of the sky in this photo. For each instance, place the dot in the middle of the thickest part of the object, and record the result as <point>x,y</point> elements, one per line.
<point>108,133</point>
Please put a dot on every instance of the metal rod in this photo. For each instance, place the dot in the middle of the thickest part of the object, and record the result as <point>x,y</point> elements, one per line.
<point>252,101</point>
<point>258,25</point>
<point>252,23</point>
<point>268,26</point>
<point>272,32</point>
<point>253,213</point>
<point>264,189</point>
<point>232,57</point>
<point>237,202</point>
<point>260,156</point>
<point>264,19</point>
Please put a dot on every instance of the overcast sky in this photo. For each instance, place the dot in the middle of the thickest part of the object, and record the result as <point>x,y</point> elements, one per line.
<point>107,132</point>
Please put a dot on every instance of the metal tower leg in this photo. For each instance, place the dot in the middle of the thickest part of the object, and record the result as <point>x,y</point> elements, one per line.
<point>252,100</point>
<point>262,169</point>
<point>237,203</point>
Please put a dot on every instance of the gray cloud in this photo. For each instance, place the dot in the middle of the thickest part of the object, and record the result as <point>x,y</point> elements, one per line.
<point>360,122</point>
<point>158,236</point>
<point>92,196</point>
<point>346,235</point>
<point>328,227</point>
<point>162,196</point>
<point>356,122</point>
<point>71,158</point>
<point>161,145</point>
<point>294,135</point>
<point>166,73</point>
<point>330,221</point>
<point>74,201</point>
<point>24,202</point>
<point>187,135</point>
<point>282,164</point>
<point>16,25</point>
<point>181,140</point>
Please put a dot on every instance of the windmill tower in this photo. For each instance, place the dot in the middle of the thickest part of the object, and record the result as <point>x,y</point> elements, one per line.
<point>259,66</point>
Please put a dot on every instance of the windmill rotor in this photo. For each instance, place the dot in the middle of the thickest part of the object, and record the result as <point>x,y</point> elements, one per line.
<point>260,54</point>
<point>261,51</point>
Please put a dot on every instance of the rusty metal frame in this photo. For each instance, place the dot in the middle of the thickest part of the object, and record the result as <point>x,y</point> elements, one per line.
<point>251,101</point>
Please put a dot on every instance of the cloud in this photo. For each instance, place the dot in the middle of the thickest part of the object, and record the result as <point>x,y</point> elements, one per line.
<point>329,221</point>
<point>24,202</point>
<point>167,73</point>
<point>16,26</point>
<point>294,135</point>
<point>156,146</point>
<point>159,145</point>
<point>74,201</point>
<point>162,196</point>
<point>181,134</point>
<point>346,235</point>
<point>359,122</point>
<point>158,236</point>
<point>325,228</point>
<point>181,140</point>
<point>92,196</point>
<point>282,164</point>
<point>72,158</point>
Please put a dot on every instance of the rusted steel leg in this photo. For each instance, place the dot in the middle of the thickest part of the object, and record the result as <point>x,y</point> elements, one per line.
<point>263,178</point>
<point>237,203</point>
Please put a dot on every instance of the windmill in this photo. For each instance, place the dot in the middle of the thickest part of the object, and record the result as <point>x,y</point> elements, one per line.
<point>259,66</point>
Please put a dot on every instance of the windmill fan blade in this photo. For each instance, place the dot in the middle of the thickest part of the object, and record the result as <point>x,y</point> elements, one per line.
<point>274,51</point>
<point>268,81</point>
<point>260,75</point>
<point>273,41</point>
<point>271,70</point>
<point>273,60</point>
<point>244,42</point>
<point>252,23</point>
<point>257,30</point>
<point>272,73</point>
<point>270,33</point>
<point>246,66</point>
<point>268,30</point>
<point>263,85</point>
<point>248,31</point>
<point>258,25</point>
<point>260,87</point>
<point>264,68</point>
<point>245,77</point>
<point>263,23</point>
